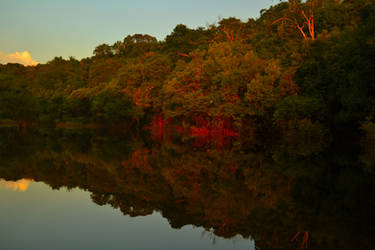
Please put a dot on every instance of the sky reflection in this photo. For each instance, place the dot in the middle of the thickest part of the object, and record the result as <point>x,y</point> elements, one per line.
<point>68,219</point>
<point>20,185</point>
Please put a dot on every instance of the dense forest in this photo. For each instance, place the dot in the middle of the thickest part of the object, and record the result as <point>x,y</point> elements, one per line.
<point>302,65</point>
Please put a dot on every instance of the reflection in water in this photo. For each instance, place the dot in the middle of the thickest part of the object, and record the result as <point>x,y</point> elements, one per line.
<point>285,195</point>
<point>20,185</point>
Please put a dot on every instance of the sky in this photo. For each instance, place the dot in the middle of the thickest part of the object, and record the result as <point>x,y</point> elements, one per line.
<point>33,31</point>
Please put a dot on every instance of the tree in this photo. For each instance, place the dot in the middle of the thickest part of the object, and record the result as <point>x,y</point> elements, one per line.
<point>18,106</point>
<point>135,46</point>
<point>301,16</point>
<point>228,81</point>
<point>142,79</point>
<point>230,30</point>
<point>103,50</point>
<point>102,70</point>
<point>112,107</point>
<point>184,40</point>
<point>339,72</point>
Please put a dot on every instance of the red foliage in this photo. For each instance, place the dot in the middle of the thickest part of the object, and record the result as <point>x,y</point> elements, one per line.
<point>215,127</point>
<point>217,131</point>
<point>213,131</point>
<point>157,127</point>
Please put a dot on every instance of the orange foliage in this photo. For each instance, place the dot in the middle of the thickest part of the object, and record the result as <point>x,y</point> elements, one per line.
<point>297,13</point>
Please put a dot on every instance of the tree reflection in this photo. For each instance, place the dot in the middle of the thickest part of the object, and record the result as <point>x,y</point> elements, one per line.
<point>281,198</point>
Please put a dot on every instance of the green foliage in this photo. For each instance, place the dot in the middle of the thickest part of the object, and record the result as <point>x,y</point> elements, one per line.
<point>184,40</point>
<point>18,106</point>
<point>228,80</point>
<point>241,71</point>
<point>298,107</point>
<point>102,70</point>
<point>340,72</point>
<point>103,50</point>
<point>77,109</point>
<point>112,107</point>
<point>131,47</point>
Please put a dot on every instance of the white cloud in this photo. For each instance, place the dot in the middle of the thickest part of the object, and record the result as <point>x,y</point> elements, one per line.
<point>20,185</point>
<point>21,58</point>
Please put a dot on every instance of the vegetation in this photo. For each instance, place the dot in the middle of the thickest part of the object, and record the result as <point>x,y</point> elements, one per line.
<point>301,62</point>
<point>253,103</point>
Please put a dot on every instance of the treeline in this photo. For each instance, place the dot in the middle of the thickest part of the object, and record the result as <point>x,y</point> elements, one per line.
<point>299,65</point>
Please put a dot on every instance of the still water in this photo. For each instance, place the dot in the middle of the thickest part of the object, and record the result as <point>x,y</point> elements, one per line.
<point>33,216</point>
<point>86,189</point>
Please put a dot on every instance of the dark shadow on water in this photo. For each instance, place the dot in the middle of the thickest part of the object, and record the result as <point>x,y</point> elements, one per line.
<point>289,194</point>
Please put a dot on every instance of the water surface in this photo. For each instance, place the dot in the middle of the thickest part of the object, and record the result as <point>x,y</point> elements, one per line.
<point>38,217</point>
<point>86,189</point>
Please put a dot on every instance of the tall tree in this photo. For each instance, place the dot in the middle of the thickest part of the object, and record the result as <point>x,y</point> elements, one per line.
<point>301,16</point>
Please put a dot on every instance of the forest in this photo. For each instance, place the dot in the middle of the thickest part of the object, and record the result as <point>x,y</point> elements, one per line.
<point>262,128</point>
<point>305,66</point>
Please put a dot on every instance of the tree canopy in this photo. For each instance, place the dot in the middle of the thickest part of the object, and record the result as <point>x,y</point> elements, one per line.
<point>315,54</point>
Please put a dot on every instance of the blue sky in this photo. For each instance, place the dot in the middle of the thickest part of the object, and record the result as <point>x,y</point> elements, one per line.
<point>49,28</point>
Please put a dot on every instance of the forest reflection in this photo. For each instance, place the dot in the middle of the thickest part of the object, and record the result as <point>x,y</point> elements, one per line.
<point>283,195</point>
